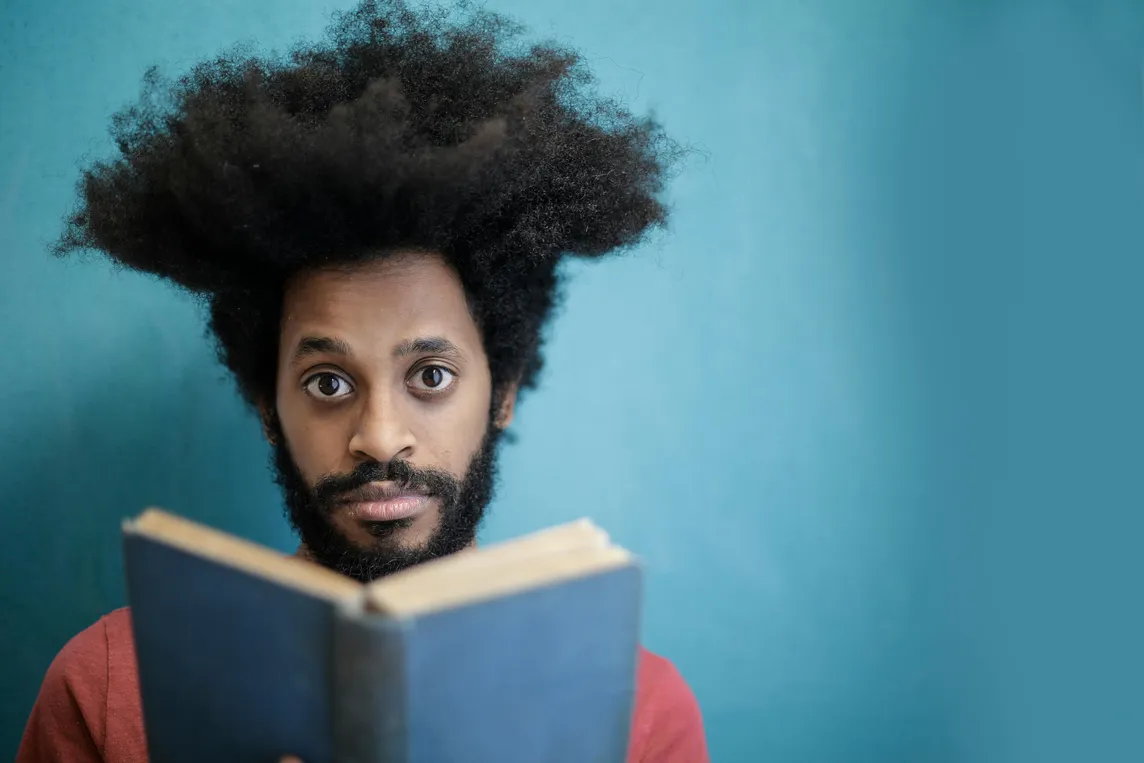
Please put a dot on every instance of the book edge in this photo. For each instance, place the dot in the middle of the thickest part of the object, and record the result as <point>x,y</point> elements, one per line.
<point>205,542</point>
<point>578,534</point>
<point>413,598</point>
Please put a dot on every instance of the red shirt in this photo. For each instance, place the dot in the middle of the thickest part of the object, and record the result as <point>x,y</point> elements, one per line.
<point>89,710</point>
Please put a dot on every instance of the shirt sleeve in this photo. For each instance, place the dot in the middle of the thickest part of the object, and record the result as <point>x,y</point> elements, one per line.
<point>676,732</point>
<point>68,718</point>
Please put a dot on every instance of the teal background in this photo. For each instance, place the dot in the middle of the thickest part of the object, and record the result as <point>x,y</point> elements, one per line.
<point>869,411</point>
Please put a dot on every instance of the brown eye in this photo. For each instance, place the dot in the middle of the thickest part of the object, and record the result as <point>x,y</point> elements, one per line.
<point>432,377</point>
<point>432,380</point>
<point>327,386</point>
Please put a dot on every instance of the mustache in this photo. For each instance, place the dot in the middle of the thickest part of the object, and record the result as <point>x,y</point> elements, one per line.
<point>404,476</point>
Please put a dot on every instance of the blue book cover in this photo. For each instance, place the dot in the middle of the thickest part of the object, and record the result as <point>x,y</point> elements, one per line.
<point>524,652</point>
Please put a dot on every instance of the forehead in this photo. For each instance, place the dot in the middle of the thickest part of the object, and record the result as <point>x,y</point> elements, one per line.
<point>380,301</point>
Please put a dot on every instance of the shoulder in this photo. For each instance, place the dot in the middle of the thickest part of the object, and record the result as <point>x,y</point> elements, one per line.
<point>658,674</point>
<point>668,725</point>
<point>119,643</point>
<point>81,668</point>
<point>70,715</point>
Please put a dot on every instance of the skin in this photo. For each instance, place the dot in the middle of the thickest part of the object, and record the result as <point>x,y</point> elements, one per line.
<point>375,312</point>
<point>363,375</point>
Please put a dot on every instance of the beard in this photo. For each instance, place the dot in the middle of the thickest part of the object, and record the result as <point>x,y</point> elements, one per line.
<point>310,509</point>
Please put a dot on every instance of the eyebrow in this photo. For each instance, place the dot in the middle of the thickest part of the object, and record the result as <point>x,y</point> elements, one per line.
<point>320,345</point>
<point>325,345</point>
<point>427,345</point>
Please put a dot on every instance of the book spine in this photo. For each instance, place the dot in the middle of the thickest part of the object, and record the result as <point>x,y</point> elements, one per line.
<point>369,691</point>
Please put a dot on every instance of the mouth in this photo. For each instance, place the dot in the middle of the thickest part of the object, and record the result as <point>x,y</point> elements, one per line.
<point>383,502</point>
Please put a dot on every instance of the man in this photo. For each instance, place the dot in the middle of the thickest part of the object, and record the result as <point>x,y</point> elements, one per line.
<point>376,225</point>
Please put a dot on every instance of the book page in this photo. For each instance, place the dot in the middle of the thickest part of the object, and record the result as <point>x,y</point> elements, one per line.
<point>580,534</point>
<point>409,593</point>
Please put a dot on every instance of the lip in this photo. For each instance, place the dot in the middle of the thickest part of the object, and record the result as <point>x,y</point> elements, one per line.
<point>384,502</point>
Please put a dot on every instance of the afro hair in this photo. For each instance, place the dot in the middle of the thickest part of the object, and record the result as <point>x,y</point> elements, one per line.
<point>431,129</point>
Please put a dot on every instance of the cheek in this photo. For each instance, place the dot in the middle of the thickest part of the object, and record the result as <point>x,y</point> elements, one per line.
<point>317,445</point>
<point>451,434</point>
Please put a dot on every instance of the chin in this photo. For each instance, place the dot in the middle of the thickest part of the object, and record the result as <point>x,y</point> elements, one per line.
<point>408,539</point>
<point>420,531</point>
<point>413,535</point>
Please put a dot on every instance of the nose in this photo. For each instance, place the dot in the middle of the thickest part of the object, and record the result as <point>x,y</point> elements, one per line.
<point>382,431</point>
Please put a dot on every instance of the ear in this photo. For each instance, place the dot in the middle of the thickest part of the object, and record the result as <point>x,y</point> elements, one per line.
<point>506,408</point>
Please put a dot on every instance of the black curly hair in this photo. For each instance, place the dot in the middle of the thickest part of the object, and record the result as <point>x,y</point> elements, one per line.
<point>429,129</point>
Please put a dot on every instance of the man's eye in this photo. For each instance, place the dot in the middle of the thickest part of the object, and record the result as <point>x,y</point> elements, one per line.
<point>433,379</point>
<point>327,386</point>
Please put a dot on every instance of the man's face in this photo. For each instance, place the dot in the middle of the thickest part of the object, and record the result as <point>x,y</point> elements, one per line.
<point>384,444</point>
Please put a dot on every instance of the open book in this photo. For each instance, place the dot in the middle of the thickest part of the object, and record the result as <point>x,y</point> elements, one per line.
<point>518,652</point>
